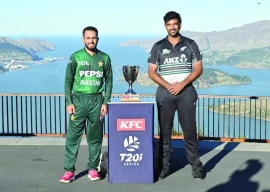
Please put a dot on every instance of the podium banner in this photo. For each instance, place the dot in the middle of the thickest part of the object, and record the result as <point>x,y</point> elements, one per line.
<point>131,142</point>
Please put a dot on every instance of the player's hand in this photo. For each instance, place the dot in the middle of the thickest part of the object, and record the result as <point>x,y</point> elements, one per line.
<point>168,87</point>
<point>176,88</point>
<point>71,109</point>
<point>103,110</point>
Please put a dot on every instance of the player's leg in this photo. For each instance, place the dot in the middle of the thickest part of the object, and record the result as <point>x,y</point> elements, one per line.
<point>74,136</point>
<point>186,109</point>
<point>166,112</point>
<point>94,133</point>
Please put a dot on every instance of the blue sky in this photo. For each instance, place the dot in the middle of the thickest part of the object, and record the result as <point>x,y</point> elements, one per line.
<point>51,17</point>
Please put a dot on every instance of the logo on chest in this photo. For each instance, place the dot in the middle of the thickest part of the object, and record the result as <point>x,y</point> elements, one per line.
<point>100,64</point>
<point>175,60</point>
<point>166,51</point>
<point>89,73</point>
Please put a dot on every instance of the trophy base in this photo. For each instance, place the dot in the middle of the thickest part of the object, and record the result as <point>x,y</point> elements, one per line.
<point>130,98</point>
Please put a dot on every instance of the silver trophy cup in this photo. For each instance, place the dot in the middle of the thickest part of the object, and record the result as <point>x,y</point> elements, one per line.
<point>130,73</point>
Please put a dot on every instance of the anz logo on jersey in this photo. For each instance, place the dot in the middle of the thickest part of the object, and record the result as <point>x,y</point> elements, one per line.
<point>175,60</point>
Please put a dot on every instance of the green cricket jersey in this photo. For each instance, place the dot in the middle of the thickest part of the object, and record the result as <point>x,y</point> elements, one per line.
<point>87,74</point>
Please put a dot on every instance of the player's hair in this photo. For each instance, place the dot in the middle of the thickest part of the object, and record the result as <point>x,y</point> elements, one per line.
<point>90,28</point>
<point>172,15</point>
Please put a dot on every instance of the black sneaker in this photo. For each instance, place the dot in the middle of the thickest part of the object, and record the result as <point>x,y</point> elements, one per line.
<point>164,173</point>
<point>197,173</point>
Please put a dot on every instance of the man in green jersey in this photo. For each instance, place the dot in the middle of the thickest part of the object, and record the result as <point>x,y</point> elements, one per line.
<point>86,73</point>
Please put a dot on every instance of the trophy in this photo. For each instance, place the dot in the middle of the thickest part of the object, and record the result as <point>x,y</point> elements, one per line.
<point>130,73</point>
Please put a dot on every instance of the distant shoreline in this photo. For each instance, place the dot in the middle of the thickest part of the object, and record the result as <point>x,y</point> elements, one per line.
<point>144,80</point>
<point>244,109</point>
<point>248,65</point>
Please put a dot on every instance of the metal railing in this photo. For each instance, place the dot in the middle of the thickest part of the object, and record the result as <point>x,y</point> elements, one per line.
<point>228,118</point>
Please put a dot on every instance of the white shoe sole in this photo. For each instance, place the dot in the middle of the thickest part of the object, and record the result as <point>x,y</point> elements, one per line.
<point>64,181</point>
<point>98,178</point>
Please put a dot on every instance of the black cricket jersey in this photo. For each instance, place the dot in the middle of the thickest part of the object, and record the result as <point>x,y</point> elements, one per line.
<point>175,62</point>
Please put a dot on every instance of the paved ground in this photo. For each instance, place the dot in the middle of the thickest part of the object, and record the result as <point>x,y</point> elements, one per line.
<point>36,164</point>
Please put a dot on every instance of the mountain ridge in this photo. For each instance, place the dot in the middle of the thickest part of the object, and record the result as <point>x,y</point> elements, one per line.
<point>32,45</point>
<point>247,36</point>
<point>22,49</point>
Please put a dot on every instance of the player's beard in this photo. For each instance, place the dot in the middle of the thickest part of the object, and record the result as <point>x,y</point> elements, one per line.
<point>175,34</point>
<point>90,48</point>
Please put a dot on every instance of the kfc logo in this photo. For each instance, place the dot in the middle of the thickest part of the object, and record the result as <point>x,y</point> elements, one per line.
<point>130,124</point>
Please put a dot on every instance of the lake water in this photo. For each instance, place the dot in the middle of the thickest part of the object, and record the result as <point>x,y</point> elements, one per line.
<point>49,78</point>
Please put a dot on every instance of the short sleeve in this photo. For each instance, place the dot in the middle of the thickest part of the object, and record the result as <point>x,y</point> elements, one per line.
<point>196,53</point>
<point>153,56</point>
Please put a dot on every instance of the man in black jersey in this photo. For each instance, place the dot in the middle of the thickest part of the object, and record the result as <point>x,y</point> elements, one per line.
<point>179,61</point>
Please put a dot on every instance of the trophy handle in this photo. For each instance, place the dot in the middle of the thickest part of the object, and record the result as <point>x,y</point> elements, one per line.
<point>117,71</point>
<point>143,70</point>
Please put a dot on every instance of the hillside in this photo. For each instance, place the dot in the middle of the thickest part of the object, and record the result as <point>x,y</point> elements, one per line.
<point>243,108</point>
<point>209,78</point>
<point>23,49</point>
<point>36,45</point>
<point>240,45</point>
<point>253,35</point>
<point>251,58</point>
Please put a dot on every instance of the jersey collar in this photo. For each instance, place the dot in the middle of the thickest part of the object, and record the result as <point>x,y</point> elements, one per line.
<point>95,53</point>
<point>180,40</point>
